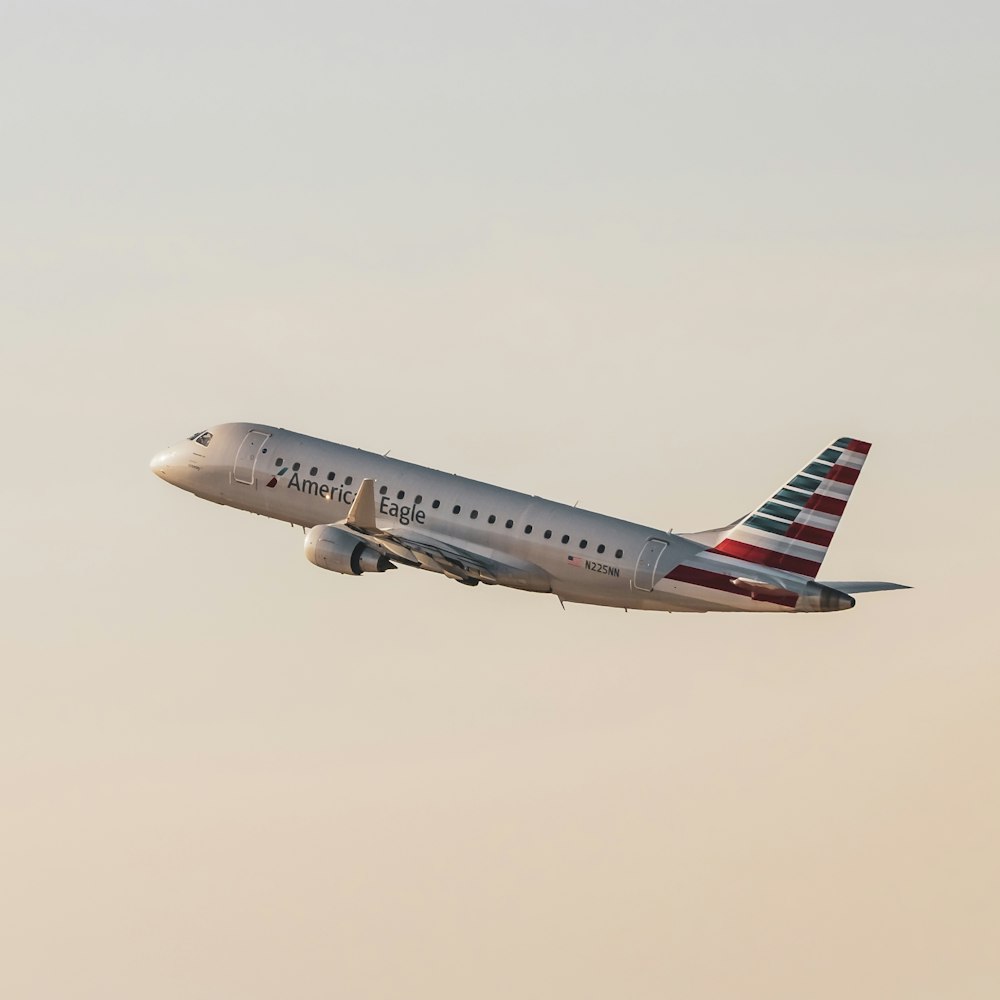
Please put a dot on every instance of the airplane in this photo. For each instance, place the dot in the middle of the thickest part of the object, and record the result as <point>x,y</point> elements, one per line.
<point>368,513</point>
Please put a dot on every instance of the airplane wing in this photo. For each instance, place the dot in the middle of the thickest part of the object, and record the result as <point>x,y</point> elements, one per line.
<point>433,553</point>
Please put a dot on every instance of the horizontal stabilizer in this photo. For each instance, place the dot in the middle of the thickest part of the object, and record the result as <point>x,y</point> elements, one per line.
<point>862,586</point>
<point>746,583</point>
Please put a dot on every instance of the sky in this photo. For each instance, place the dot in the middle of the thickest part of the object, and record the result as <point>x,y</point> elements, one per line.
<point>647,257</point>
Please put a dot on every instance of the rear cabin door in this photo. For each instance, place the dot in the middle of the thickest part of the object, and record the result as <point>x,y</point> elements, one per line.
<point>246,457</point>
<point>645,569</point>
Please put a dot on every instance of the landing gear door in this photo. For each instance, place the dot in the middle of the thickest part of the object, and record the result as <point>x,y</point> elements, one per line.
<point>246,457</point>
<point>649,557</point>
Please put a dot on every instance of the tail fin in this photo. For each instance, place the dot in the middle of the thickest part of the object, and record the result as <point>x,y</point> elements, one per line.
<point>793,529</point>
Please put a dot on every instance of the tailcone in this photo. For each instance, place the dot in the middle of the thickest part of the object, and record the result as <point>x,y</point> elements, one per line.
<point>818,597</point>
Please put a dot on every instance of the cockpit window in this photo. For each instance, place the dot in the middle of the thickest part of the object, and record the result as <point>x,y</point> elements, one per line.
<point>203,438</point>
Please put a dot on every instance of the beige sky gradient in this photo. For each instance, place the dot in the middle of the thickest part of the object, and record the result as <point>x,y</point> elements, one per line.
<point>651,259</point>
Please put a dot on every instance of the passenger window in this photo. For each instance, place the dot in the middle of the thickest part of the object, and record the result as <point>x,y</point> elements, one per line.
<point>474,515</point>
<point>510,524</point>
<point>401,494</point>
<point>527,529</point>
<point>417,498</point>
<point>600,548</point>
<point>313,471</point>
<point>457,509</point>
<point>383,490</point>
<point>436,504</point>
<point>619,554</point>
<point>548,533</point>
<point>565,539</point>
<point>492,519</point>
<point>279,461</point>
<point>331,476</point>
<point>295,467</point>
<point>349,480</point>
<point>583,543</point>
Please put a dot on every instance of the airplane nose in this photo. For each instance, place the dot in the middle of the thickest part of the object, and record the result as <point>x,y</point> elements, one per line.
<point>160,465</point>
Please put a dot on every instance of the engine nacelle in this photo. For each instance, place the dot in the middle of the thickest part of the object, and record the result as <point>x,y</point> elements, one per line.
<point>340,551</point>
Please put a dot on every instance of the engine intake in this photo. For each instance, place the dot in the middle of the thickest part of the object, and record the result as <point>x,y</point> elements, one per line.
<point>340,551</point>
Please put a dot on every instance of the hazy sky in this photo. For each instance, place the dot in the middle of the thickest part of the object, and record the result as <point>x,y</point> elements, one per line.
<point>651,257</point>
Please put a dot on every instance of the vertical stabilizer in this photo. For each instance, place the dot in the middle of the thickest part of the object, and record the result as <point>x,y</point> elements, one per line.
<point>794,528</point>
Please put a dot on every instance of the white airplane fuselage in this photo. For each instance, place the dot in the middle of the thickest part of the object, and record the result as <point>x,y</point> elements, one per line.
<point>469,530</point>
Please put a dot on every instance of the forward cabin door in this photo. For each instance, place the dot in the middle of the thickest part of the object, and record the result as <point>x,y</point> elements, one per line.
<point>246,457</point>
<point>645,569</point>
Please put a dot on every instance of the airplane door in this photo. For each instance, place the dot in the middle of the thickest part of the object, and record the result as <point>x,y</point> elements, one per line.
<point>246,457</point>
<point>645,569</point>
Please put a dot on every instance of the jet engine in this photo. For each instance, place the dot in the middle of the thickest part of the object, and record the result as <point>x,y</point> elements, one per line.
<point>333,548</point>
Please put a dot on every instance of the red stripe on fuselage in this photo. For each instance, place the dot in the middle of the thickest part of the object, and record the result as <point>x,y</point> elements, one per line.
<point>766,557</point>
<point>719,581</point>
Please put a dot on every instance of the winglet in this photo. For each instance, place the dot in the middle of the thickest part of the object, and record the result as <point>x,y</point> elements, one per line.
<point>362,512</point>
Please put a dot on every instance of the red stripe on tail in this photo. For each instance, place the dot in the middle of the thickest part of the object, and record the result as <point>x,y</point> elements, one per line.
<point>810,533</point>
<point>767,557</point>
<point>843,474</point>
<point>826,505</point>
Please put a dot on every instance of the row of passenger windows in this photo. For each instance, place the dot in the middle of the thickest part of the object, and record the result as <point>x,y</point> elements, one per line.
<point>330,476</point>
<point>457,509</point>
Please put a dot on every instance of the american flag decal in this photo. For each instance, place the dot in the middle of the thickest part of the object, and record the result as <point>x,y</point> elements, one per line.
<point>577,561</point>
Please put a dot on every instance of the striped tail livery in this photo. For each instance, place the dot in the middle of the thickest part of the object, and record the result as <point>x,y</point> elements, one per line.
<point>773,555</point>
